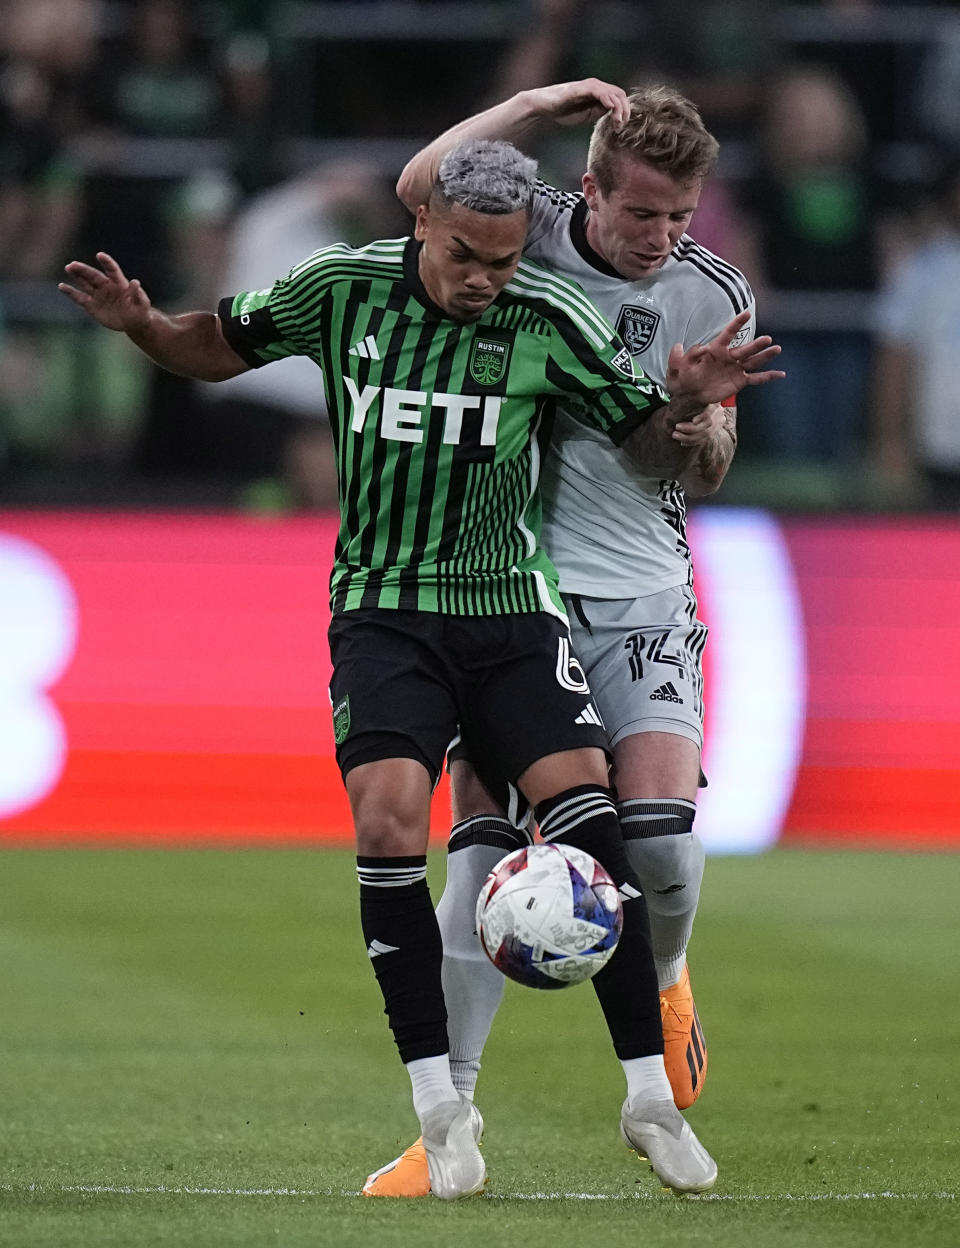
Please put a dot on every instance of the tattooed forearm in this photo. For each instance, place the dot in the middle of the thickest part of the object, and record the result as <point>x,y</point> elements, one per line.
<point>652,447</point>
<point>706,473</point>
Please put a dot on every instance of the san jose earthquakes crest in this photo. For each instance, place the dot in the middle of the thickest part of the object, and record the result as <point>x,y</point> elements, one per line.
<point>637,326</point>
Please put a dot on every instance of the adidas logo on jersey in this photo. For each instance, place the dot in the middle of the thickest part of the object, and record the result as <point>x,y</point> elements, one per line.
<point>666,693</point>
<point>366,348</point>
<point>589,715</point>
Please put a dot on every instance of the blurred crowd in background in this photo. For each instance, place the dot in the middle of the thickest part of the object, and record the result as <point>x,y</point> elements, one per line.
<point>210,146</point>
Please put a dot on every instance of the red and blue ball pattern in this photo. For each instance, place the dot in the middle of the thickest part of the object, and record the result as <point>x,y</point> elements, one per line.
<point>549,916</point>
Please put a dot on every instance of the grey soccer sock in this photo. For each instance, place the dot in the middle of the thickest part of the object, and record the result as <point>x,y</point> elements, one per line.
<point>668,857</point>
<point>472,985</point>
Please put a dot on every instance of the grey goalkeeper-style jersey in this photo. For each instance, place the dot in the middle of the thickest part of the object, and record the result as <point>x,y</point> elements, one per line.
<point>610,532</point>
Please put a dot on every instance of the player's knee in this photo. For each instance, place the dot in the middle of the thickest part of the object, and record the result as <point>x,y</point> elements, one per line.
<point>456,909</point>
<point>387,831</point>
<point>547,781</point>
<point>468,794</point>
<point>663,850</point>
<point>669,869</point>
<point>389,840</point>
<point>390,803</point>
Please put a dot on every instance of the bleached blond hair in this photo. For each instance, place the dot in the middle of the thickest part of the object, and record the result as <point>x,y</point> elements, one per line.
<point>486,176</point>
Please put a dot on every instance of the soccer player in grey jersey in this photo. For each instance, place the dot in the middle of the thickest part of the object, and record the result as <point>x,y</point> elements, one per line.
<point>617,536</point>
<point>438,353</point>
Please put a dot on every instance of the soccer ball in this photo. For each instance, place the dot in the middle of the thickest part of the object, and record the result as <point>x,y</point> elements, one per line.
<point>549,916</point>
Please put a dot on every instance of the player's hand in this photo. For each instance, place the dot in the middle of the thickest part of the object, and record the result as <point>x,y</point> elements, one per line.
<point>702,427</point>
<point>107,294</point>
<point>572,103</point>
<point>713,372</point>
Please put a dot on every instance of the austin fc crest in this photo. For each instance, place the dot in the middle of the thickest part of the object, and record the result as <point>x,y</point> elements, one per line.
<point>341,720</point>
<point>488,360</point>
<point>636,326</point>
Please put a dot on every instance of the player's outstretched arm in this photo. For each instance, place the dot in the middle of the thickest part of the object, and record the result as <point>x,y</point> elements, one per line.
<point>712,372</point>
<point>567,103</point>
<point>191,345</point>
<point>697,378</point>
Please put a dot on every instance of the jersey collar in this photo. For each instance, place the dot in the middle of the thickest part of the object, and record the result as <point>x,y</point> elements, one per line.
<point>578,236</point>
<point>411,275</point>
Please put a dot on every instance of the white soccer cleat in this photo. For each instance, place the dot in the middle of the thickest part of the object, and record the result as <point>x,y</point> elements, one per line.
<point>454,1162</point>
<point>408,1175</point>
<point>658,1131</point>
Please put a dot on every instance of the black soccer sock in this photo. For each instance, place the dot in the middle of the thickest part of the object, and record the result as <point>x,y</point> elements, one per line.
<point>403,943</point>
<point>626,987</point>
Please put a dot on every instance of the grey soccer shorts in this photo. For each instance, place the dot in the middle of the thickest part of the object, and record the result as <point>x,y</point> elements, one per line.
<point>643,659</point>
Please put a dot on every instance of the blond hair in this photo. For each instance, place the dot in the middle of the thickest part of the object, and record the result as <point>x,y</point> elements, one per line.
<point>664,128</point>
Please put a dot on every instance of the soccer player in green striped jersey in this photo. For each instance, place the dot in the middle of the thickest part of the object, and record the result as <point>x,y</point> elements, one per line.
<point>441,354</point>
<point>447,418</point>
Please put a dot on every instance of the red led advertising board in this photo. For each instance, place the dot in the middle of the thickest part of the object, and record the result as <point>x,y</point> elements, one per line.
<point>163,679</point>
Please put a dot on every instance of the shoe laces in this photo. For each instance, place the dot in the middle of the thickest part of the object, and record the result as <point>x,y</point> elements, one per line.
<point>672,1018</point>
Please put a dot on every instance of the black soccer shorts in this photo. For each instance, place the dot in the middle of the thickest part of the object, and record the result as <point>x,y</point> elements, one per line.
<point>406,683</point>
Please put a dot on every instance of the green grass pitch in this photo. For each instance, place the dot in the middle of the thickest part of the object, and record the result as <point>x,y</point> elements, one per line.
<point>192,1052</point>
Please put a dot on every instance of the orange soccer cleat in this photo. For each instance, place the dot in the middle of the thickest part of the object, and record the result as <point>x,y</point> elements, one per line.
<point>406,1175</point>
<point>409,1174</point>
<point>684,1048</point>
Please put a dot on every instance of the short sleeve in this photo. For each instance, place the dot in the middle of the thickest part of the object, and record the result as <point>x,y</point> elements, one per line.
<point>266,325</point>
<point>250,327</point>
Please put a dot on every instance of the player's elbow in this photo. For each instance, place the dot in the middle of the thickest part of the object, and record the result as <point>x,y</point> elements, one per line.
<point>412,185</point>
<point>697,486</point>
<point>221,362</point>
<point>220,368</point>
<point>224,372</point>
<point>407,188</point>
<point>705,476</point>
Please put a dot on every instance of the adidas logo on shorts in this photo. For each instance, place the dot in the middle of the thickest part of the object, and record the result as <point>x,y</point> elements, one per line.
<point>666,693</point>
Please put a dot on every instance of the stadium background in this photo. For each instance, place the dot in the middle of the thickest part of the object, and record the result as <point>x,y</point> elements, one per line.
<point>163,601</point>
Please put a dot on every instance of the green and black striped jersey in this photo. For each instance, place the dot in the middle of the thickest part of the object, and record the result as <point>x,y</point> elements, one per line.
<point>438,426</point>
